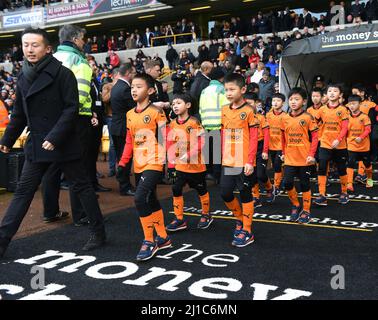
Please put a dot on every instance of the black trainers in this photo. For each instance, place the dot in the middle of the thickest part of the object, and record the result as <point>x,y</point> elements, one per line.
<point>61,215</point>
<point>95,241</point>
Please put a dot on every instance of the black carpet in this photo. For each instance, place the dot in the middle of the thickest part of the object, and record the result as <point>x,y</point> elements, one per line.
<point>287,261</point>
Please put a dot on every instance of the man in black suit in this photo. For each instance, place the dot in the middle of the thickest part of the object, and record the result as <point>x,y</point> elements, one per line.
<point>201,81</point>
<point>147,38</point>
<point>48,103</point>
<point>121,102</point>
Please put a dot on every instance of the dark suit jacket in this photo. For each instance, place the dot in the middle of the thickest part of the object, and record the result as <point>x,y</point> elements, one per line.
<point>121,102</point>
<point>49,107</point>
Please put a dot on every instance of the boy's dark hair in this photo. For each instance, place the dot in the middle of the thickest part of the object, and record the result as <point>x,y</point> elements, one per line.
<point>236,78</point>
<point>299,91</point>
<point>251,96</point>
<point>359,87</point>
<point>147,78</point>
<point>319,90</point>
<point>354,97</point>
<point>336,85</point>
<point>279,96</point>
<point>39,31</point>
<point>184,97</point>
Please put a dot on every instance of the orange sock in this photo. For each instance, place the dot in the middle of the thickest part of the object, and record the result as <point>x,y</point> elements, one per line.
<point>148,228</point>
<point>361,168</point>
<point>307,201</point>
<point>205,203</point>
<point>344,184</point>
<point>293,196</point>
<point>158,221</point>
<point>178,207</point>
<point>248,210</point>
<point>277,179</point>
<point>350,174</point>
<point>322,181</point>
<point>268,185</point>
<point>235,207</point>
<point>256,191</point>
<point>369,172</point>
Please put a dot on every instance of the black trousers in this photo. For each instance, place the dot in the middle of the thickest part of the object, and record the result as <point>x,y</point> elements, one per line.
<point>124,181</point>
<point>93,150</point>
<point>302,173</point>
<point>146,201</point>
<point>213,167</point>
<point>31,177</point>
<point>51,180</point>
<point>354,157</point>
<point>338,156</point>
<point>196,181</point>
<point>240,180</point>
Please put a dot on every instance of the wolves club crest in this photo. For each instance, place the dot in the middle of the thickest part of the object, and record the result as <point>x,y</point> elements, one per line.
<point>147,119</point>
<point>243,116</point>
<point>302,122</point>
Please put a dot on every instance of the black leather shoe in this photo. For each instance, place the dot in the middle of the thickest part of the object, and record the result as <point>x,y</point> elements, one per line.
<point>82,222</point>
<point>100,188</point>
<point>64,186</point>
<point>96,240</point>
<point>129,192</point>
<point>61,215</point>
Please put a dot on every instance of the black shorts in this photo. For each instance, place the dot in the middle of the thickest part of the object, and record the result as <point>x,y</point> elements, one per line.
<point>302,173</point>
<point>337,155</point>
<point>241,181</point>
<point>145,198</point>
<point>354,157</point>
<point>195,181</point>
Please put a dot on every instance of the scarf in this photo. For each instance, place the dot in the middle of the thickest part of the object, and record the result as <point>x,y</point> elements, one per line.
<point>32,71</point>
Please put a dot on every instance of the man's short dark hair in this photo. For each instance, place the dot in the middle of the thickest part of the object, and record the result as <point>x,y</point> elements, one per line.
<point>235,78</point>
<point>151,64</point>
<point>184,97</point>
<point>150,81</point>
<point>216,74</point>
<point>336,85</point>
<point>319,90</point>
<point>279,96</point>
<point>69,32</point>
<point>124,68</point>
<point>299,91</point>
<point>39,31</point>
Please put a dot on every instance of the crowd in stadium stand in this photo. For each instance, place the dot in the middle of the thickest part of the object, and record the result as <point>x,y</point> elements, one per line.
<point>12,5</point>
<point>230,48</point>
<point>273,21</point>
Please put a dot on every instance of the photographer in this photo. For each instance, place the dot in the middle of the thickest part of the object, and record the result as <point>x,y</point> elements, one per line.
<point>181,79</point>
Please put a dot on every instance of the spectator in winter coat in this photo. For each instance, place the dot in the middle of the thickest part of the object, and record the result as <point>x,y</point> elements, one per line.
<point>171,57</point>
<point>266,87</point>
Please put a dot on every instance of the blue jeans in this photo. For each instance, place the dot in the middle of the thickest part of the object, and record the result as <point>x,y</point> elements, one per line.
<point>112,153</point>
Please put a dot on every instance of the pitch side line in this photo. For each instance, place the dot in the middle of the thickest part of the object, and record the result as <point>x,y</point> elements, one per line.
<point>284,222</point>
